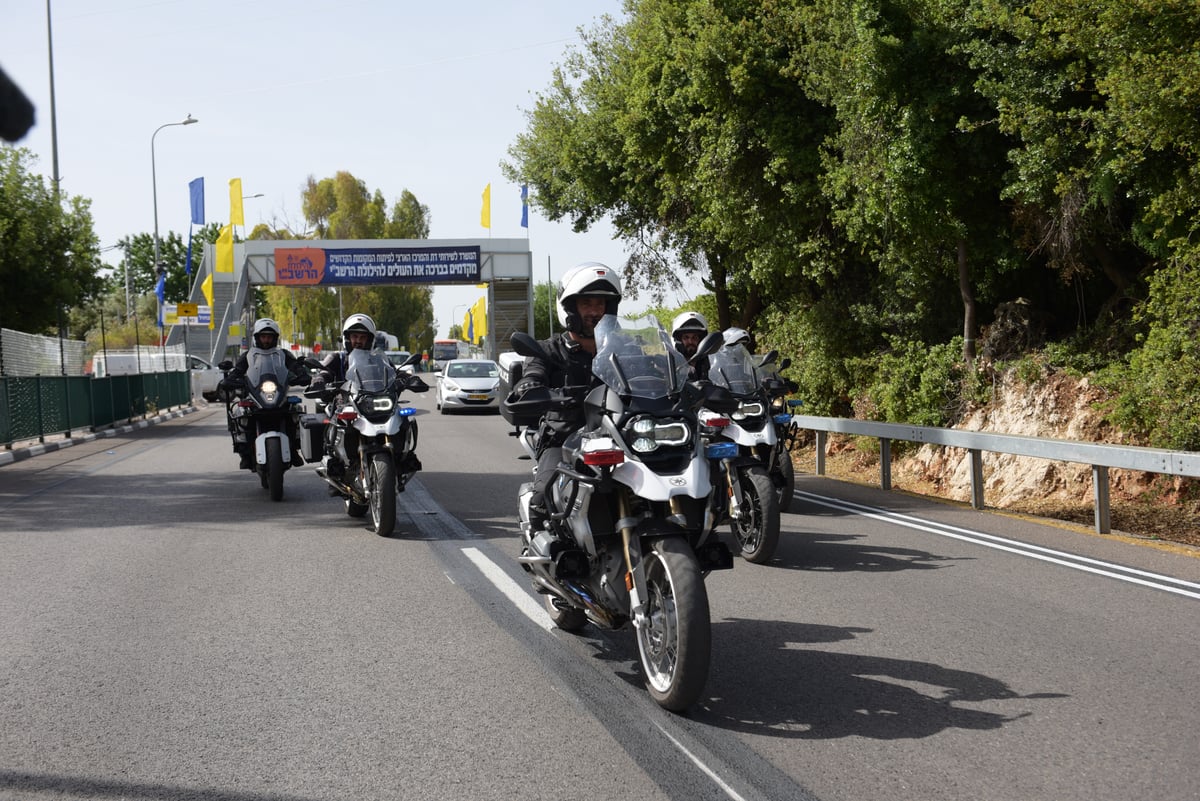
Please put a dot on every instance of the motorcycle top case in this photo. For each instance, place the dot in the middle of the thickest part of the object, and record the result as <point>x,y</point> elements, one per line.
<point>312,437</point>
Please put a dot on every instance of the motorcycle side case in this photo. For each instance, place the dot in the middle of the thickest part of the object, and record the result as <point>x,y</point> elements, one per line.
<point>312,437</point>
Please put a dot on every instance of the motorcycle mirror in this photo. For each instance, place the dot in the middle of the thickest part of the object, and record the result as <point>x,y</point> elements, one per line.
<point>313,363</point>
<point>769,358</point>
<point>708,346</point>
<point>785,364</point>
<point>526,345</point>
<point>412,359</point>
<point>225,365</point>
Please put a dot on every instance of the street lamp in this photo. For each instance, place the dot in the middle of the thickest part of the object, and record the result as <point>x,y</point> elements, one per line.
<point>154,181</point>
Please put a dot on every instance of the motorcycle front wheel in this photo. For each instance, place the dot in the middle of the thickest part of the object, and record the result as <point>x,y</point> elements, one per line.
<point>274,469</point>
<point>381,483</point>
<point>757,530</point>
<point>675,642</point>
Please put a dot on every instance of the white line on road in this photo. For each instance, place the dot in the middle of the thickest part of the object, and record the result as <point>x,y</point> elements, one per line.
<point>509,588</point>
<point>1119,572</point>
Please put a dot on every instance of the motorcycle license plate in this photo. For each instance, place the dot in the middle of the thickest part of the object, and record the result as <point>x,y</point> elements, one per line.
<point>477,397</point>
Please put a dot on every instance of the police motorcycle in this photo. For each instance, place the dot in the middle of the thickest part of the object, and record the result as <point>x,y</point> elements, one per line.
<point>365,435</point>
<point>258,402</point>
<point>625,540</point>
<point>779,463</point>
<point>741,447</point>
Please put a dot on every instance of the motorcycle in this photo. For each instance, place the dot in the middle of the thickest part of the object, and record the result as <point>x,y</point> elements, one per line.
<point>258,402</point>
<point>367,435</point>
<point>779,463</point>
<point>740,446</point>
<point>625,540</point>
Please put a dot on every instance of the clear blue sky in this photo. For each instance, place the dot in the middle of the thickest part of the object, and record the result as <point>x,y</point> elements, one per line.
<point>420,96</point>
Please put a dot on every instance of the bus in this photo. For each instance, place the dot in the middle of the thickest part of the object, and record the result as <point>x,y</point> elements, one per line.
<point>446,349</point>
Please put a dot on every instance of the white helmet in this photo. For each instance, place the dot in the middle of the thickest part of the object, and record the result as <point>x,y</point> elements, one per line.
<point>265,324</point>
<point>688,321</point>
<point>357,322</point>
<point>589,278</point>
<point>734,336</point>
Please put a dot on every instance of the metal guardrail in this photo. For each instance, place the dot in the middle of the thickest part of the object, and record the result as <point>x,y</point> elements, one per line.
<point>1100,456</point>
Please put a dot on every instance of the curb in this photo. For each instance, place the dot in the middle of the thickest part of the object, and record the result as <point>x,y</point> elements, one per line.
<point>21,454</point>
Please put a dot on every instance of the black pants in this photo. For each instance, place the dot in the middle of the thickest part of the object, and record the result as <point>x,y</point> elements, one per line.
<point>546,465</point>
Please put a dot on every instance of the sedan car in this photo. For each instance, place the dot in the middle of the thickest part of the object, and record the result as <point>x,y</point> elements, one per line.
<point>205,378</point>
<point>468,384</point>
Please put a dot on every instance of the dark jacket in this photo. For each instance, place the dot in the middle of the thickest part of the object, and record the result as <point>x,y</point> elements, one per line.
<point>568,365</point>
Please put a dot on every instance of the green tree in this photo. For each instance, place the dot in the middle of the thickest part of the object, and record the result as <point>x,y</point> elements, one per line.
<point>49,254</point>
<point>682,126</point>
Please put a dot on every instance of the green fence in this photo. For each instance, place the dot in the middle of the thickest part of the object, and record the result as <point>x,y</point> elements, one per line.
<point>37,406</point>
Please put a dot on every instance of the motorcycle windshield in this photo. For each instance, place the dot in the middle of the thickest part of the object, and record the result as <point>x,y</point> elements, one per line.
<point>369,371</point>
<point>263,364</point>
<point>733,368</point>
<point>635,358</point>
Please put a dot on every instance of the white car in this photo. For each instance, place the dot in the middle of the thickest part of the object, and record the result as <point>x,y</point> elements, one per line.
<point>205,378</point>
<point>468,384</point>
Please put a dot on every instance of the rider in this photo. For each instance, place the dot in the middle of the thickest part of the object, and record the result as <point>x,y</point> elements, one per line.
<point>358,333</point>
<point>266,338</point>
<point>587,293</point>
<point>688,329</point>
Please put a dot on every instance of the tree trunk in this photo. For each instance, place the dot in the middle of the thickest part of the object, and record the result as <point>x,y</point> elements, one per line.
<point>968,299</point>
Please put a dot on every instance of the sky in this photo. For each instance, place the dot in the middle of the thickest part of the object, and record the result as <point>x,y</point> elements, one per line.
<point>421,96</point>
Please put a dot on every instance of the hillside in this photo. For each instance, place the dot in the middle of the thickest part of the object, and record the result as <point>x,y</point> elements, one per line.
<point>1057,406</point>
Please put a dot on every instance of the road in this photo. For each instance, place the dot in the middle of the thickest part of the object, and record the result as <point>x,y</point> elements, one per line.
<point>166,632</point>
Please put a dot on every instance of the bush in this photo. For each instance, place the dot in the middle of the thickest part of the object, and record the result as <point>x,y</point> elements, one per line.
<point>1159,385</point>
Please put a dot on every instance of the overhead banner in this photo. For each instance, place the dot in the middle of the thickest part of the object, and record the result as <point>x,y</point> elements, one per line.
<point>435,265</point>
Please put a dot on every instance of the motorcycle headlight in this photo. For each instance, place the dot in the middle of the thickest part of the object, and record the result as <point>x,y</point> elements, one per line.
<point>269,390</point>
<point>649,434</point>
<point>382,403</point>
<point>778,405</point>
<point>748,409</point>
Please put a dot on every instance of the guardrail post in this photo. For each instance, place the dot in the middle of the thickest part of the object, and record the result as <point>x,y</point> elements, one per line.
<point>976,478</point>
<point>885,463</point>
<point>822,438</point>
<point>1100,488</point>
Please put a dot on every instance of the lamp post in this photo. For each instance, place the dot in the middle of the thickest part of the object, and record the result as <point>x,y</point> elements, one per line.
<point>154,182</point>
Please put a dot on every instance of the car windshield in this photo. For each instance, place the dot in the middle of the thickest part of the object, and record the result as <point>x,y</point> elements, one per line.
<point>261,364</point>
<point>472,370</point>
<point>635,357</point>
<point>732,367</point>
<point>368,371</point>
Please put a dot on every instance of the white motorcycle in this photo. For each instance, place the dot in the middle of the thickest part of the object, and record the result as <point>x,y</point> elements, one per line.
<point>742,445</point>
<point>626,539</point>
<point>369,436</point>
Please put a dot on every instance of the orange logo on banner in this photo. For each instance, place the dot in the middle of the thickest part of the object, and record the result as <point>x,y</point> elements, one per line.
<point>299,266</point>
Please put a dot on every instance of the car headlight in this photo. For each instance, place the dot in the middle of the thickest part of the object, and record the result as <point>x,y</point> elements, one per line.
<point>449,385</point>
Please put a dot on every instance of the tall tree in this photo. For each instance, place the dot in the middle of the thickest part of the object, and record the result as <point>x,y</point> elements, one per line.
<point>49,253</point>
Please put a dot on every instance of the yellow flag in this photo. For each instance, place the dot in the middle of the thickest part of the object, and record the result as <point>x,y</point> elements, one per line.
<point>225,249</point>
<point>206,288</point>
<point>236,215</point>
<point>485,215</point>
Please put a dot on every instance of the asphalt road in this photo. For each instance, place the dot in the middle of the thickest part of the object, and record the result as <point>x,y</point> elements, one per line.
<point>166,632</point>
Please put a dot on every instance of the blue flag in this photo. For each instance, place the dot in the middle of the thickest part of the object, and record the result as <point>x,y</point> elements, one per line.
<point>187,266</point>
<point>160,290</point>
<point>524,205</point>
<point>196,190</point>
<point>470,327</point>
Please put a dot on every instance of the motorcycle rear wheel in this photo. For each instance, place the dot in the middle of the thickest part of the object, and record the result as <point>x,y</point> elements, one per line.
<point>675,643</point>
<point>757,530</point>
<point>274,469</point>
<point>381,483</point>
<point>563,615</point>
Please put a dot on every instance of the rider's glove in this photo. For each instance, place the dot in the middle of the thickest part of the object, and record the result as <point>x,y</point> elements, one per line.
<point>526,384</point>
